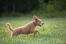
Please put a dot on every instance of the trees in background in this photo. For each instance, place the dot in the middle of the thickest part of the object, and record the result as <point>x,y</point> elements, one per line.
<point>60,4</point>
<point>24,6</point>
<point>27,6</point>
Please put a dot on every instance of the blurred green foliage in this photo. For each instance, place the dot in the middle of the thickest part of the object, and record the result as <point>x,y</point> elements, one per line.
<point>48,7</point>
<point>60,4</point>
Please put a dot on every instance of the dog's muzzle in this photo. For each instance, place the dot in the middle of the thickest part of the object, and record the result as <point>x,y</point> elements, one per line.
<point>41,24</point>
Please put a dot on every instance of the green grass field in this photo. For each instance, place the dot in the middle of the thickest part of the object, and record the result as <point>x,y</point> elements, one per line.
<point>53,32</point>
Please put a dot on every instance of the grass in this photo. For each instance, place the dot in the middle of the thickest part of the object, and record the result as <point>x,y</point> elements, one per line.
<point>53,32</point>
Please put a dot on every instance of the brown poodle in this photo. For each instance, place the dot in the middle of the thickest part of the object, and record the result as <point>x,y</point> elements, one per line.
<point>27,29</point>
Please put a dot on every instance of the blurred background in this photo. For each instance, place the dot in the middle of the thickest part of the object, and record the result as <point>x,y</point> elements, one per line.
<point>44,8</point>
<point>20,12</point>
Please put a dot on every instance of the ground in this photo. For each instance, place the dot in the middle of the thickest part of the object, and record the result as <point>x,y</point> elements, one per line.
<point>53,31</point>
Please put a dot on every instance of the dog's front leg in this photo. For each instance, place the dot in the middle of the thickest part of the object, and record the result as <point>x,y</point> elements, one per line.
<point>36,32</point>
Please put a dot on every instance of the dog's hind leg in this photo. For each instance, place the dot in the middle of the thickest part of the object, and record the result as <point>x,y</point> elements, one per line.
<point>13,34</point>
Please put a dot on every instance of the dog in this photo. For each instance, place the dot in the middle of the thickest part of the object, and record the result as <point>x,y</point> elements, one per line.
<point>27,29</point>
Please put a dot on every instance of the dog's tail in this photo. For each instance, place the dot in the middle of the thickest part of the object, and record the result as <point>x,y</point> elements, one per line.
<point>9,27</point>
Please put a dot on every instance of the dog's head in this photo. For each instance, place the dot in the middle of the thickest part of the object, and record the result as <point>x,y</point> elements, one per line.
<point>38,21</point>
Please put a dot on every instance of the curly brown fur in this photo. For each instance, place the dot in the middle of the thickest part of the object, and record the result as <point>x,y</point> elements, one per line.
<point>27,29</point>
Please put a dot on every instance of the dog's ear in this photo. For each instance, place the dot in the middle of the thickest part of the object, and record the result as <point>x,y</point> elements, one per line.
<point>35,17</point>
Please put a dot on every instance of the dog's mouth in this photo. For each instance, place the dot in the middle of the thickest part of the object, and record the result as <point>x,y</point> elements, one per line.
<point>41,24</point>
